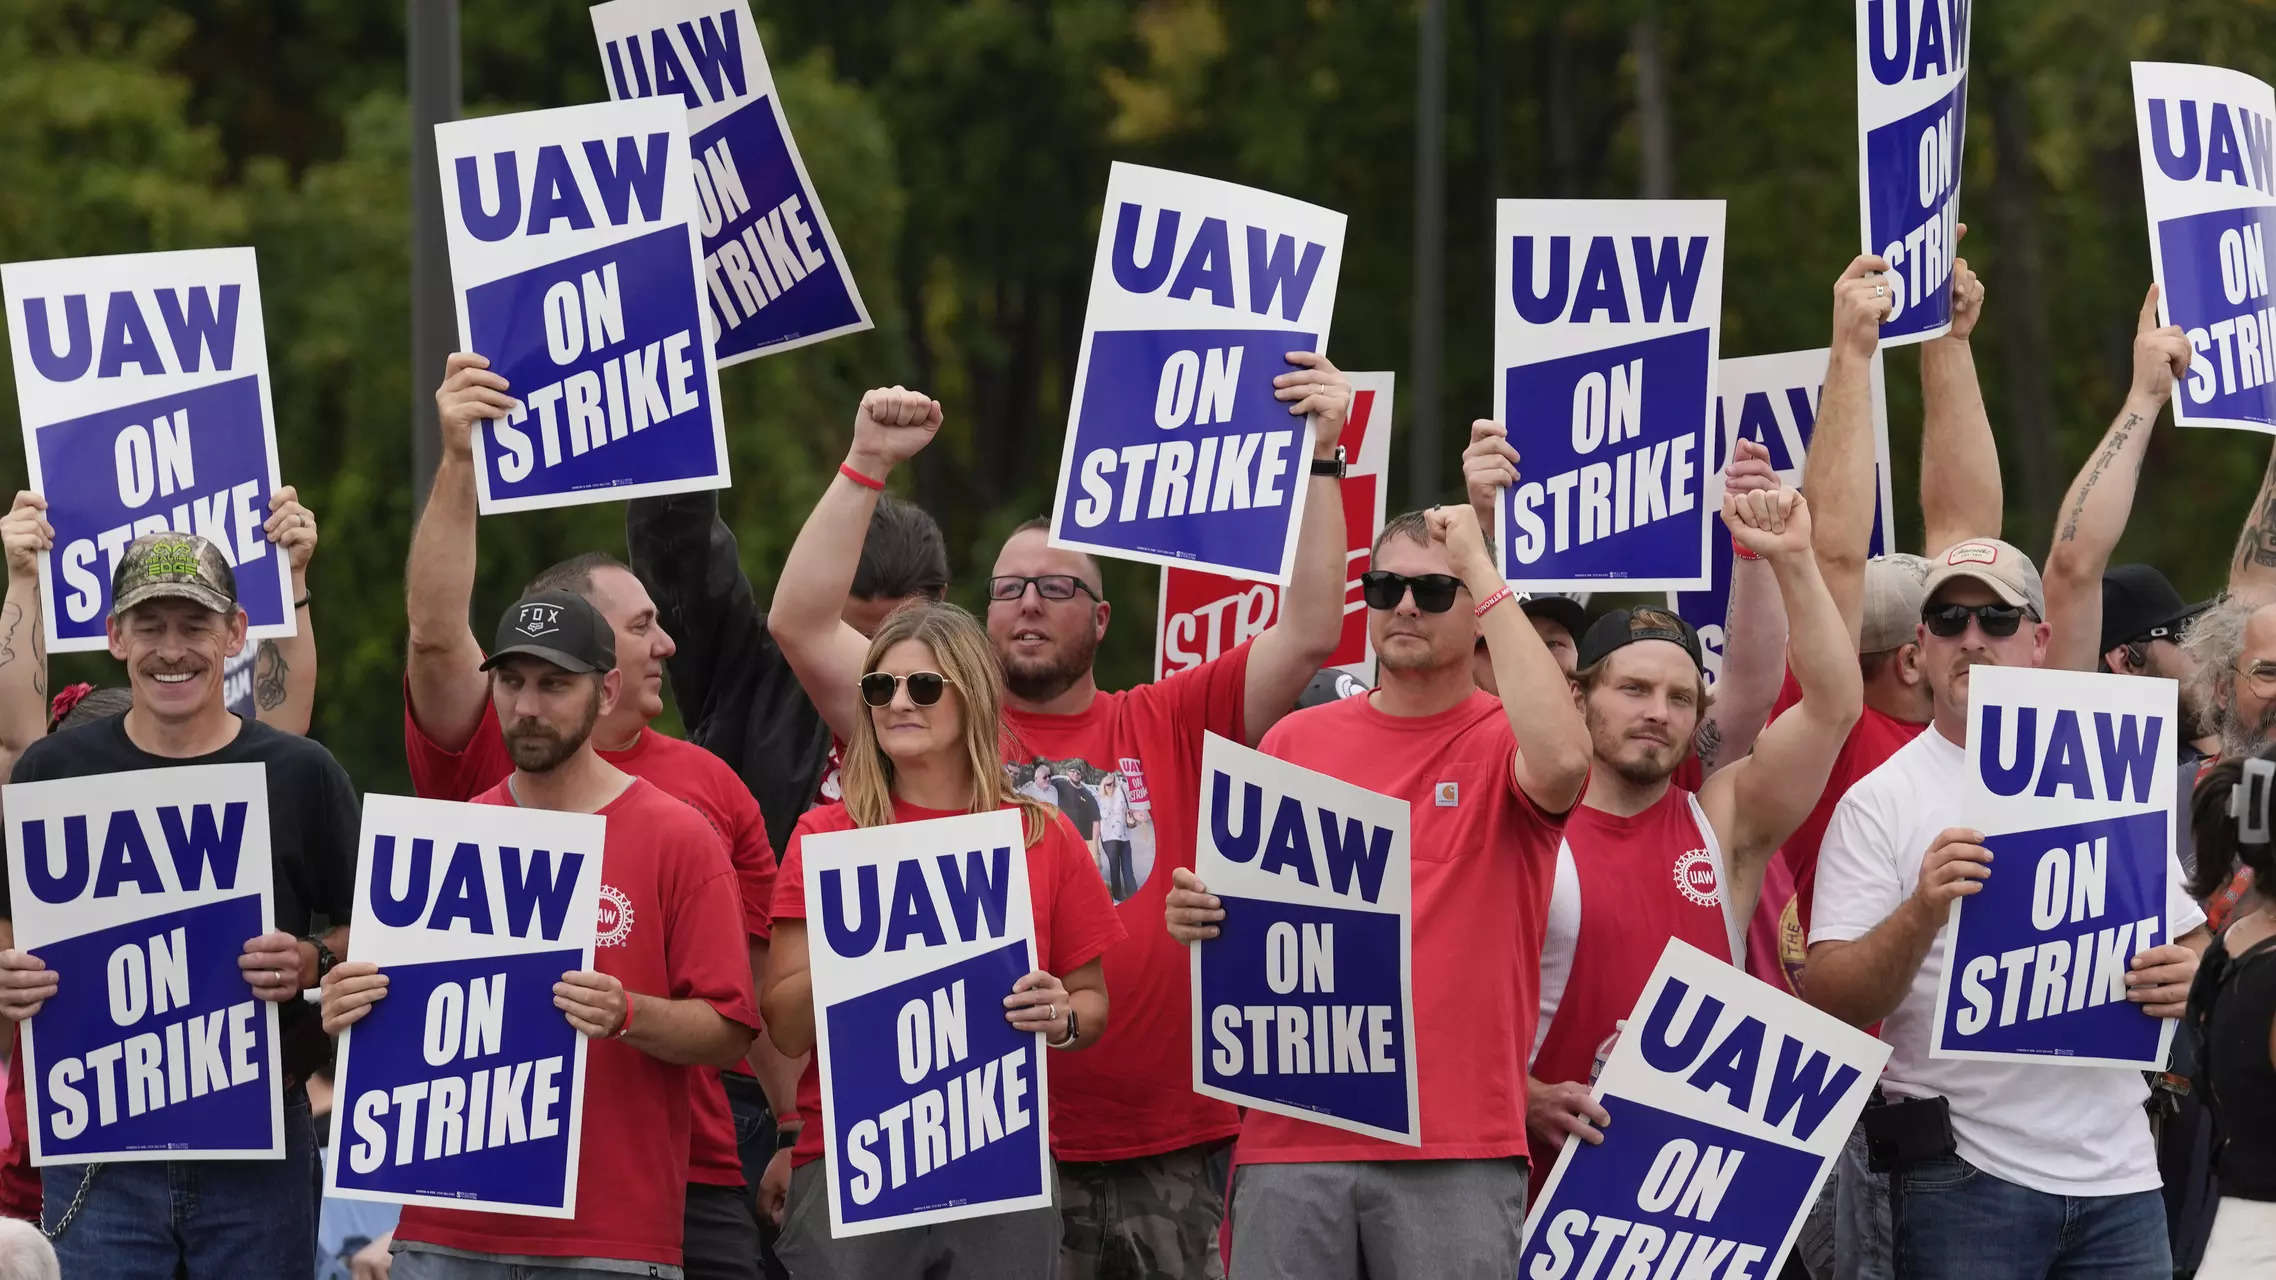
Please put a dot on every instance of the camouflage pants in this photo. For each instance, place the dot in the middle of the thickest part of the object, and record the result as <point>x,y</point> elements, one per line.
<point>1153,1218</point>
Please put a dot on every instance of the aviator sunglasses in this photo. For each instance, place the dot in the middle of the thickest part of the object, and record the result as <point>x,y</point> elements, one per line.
<point>924,687</point>
<point>1949,620</point>
<point>1434,592</point>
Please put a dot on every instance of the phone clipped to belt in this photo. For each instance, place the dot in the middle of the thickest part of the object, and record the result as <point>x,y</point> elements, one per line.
<point>1903,1132</point>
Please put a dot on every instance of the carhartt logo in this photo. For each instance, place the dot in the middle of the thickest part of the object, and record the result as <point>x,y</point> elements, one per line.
<point>1449,794</point>
<point>1972,553</point>
<point>539,620</point>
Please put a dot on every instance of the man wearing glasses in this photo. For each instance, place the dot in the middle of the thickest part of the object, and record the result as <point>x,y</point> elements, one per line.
<point>2042,1167</point>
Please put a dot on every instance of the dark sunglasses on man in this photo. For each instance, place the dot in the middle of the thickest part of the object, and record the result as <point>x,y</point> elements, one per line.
<point>1434,592</point>
<point>1949,620</point>
<point>1051,586</point>
<point>878,687</point>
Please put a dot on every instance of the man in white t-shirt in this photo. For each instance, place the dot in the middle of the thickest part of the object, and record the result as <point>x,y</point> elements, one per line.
<point>2042,1171</point>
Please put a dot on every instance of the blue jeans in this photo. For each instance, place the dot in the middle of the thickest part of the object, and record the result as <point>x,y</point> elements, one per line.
<point>754,1145</point>
<point>1954,1220</point>
<point>193,1218</point>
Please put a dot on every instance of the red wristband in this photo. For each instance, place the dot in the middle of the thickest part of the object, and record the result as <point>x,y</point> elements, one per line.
<point>846,470</point>
<point>618,1034</point>
<point>1492,600</point>
<point>1739,549</point>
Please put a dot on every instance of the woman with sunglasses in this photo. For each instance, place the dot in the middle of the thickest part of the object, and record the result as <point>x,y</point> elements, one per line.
<point>929,747</point>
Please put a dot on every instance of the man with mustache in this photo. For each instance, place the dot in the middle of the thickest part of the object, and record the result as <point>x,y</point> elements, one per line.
<point>1645,860</point>
<point>457,750</point>
<point>2044,1168</point>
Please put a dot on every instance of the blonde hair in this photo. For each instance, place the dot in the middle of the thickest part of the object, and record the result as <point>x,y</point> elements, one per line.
<point>962,653</point>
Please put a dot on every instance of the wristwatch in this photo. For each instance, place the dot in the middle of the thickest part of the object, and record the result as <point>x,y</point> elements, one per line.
<point>1074,1028</point>
<point>1333,467</point>
<point>785,1139</point>
<point>324,957</point>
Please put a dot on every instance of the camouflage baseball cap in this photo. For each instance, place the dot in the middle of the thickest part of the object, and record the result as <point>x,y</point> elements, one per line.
<point>173,566</point>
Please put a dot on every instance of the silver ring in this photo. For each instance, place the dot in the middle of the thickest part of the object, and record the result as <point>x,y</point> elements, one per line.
<point>1054,1013</point>
<point>1880,290</point>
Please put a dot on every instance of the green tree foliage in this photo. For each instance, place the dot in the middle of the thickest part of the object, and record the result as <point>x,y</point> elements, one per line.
<point>961,149</point>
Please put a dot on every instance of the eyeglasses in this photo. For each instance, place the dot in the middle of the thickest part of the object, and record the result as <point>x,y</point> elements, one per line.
<point>1051,586</point>
<point>878,687</point>
<point>2260,677</point>
<point>1434,592</point>
<point>1949,620</point>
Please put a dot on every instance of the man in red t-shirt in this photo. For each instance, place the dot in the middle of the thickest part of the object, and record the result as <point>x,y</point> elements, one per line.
<point>1489,781</point>
<point>1141,1159</point>
<point>1645,860</point>
<point>670,987</point>
<point>452,736</point>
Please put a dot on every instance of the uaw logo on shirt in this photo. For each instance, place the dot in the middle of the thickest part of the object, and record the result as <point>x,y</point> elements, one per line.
<point>1695,877</point>
<point>539,620</point>
<point>616,917</point>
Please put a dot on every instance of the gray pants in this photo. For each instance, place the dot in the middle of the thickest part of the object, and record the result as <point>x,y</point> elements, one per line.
<point>1379,1220</point>
<point>1005,1246</point>
<point>421,1263</point>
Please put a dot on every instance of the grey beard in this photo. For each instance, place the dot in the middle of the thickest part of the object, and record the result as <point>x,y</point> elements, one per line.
<point>2238,740</point>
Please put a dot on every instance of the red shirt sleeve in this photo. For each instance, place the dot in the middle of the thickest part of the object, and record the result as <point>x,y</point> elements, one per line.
<point>1083,920</point>
<point>753,856</point>
<point>438,773</point>
<point>704,953</point>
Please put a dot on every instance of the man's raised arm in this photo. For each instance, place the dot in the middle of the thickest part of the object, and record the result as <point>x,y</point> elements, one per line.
<point>1838,474</point>
<point>444,668</point>
<point>2253,569</point>
<point>284,671</point>
<point>2094,512</point>
<point>1754,634</point>
<point>1283,660</point>
<point>26,536</point>
<point>1960,494</point>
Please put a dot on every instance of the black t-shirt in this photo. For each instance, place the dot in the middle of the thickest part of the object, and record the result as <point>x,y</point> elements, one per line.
<point>2244,1081</point>
<point>314,827</point>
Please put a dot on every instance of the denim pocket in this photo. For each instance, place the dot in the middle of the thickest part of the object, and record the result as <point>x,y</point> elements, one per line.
<point>1944,1173</point>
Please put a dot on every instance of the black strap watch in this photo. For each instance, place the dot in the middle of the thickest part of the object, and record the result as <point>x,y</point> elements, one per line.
<point>324,957</point>
<point>1074,1027</point>
<point>1332,467</point>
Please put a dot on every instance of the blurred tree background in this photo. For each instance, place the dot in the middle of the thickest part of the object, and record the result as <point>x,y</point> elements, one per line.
<point>961,147</point>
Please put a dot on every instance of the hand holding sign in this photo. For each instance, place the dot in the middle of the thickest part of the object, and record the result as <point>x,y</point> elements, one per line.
<point>470,392</point>
<point>1489,465</point>
<point>595,1003</point>
<point>2160,980</point>
<point>1318,389</point>
<point>1193,913</point>
<point>1039,1002</point>
<point>350,990</point>
<point>1771,523</point>
<point>26,535</point>
<point>893,425</point>
<point>272,966</point>
<point>26,983</point>
<point>1555,1112</point>
<point>1955,867</point>
<point>291,526</point>
<point>1860,305</point>
<point>1967,294</point>
<point>2161,356</point>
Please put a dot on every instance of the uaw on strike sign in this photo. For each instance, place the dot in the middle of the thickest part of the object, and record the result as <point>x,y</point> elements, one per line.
<point>933,1104</point>
<point>1303,1004</point>
<point>464,1088</point>
<point>1912,119</point>
<point>2072,777</point>
<point>1729,1100</point>
<point>143,380</point>
<point>573,253</point>
<point>1177,451</point>
<point>1201,615</point>
<point>140,890</point>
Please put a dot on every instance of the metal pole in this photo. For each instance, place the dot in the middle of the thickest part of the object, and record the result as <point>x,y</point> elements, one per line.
<point>433,48</point>
<point>1425,358</point>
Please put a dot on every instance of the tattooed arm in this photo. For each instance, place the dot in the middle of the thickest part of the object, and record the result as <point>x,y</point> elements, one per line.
<point>2254,568</point>
<point>26,536</point>
<point>284,671</point>
<point>2094,511</point>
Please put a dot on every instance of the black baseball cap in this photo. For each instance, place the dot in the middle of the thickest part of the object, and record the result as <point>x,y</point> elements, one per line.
<point>561,627</point>
<point>1623,627</point>
<point>1565,611</point>
<point>2139,603</point>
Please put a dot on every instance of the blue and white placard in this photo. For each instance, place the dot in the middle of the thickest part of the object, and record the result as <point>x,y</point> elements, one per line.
<point>140,890</point>
<point>772,270</point>
<point>464,1088</point>
<point>1773,401</point>
<point>2208,142</point>
<point>1176,451</point>
<point>1729,1101</point>
<point>933,1106</point>
<point>1606,318</point>
<point>1912,122</point>
<point>1303,1004</point>
<point>2071,782</point>
<point>143,380</point>
<point>573,252</point>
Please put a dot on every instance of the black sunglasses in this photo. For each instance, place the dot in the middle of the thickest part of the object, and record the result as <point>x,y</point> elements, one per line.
<point>924,687</point>
<point>1949,620</point>
<point>1051,586</point>
<point>1434,592</point>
